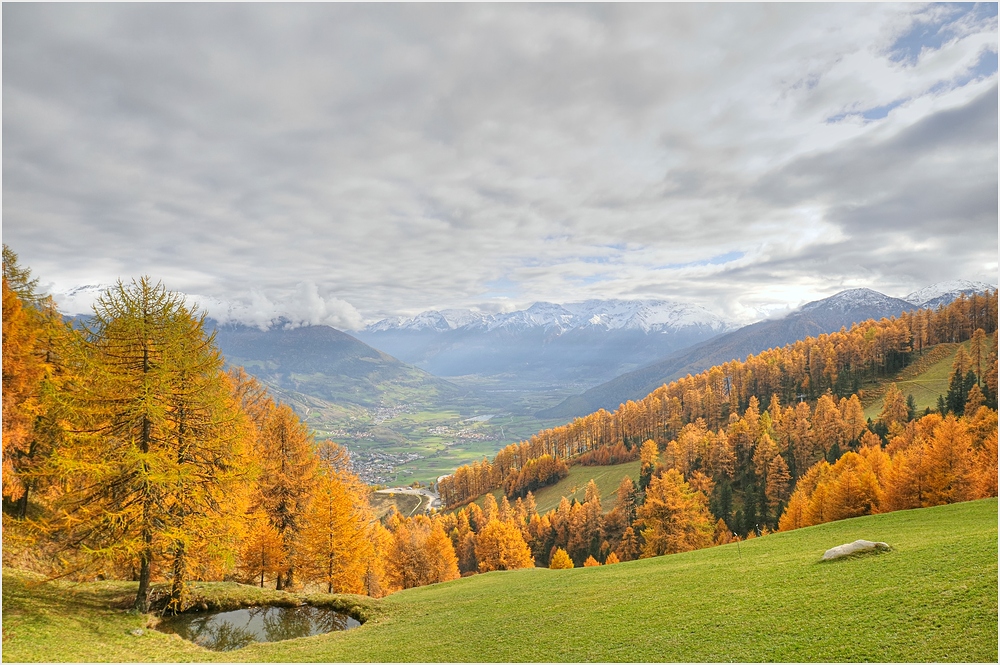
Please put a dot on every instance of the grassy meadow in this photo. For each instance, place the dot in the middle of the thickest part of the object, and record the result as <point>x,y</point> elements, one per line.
<point>574,486</point>
<point>925,379</point>
<point>932,599</point>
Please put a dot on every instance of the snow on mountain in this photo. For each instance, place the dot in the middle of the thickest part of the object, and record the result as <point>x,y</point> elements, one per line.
<point>645,315</point>
<point>440,321</point>
<point>943,293</point>
<point>543,315</point>
<point>849,300</point>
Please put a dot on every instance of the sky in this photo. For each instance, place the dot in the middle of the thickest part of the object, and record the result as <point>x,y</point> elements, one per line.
<point>341,163</point>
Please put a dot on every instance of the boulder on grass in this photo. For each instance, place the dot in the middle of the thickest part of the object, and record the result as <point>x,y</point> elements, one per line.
<point>857,547</point>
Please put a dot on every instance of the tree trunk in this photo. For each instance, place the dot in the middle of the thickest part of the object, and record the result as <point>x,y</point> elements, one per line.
<point>145,559</point>
<point>177,587</point>
<point>21,509</point>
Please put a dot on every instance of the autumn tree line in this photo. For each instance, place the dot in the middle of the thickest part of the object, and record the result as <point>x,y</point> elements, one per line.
<point>737,469</point>
<point>129,452</point>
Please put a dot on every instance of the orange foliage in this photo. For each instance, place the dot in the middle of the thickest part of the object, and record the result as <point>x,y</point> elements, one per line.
<point>560,560</point>
<point>500,546</point>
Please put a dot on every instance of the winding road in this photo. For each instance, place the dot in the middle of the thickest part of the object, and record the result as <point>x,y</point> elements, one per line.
<point>433,499</point>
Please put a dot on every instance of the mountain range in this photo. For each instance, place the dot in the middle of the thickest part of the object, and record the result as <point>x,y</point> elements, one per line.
<point>612,350</point>
<point>583,342</point>
<point>821,316</point>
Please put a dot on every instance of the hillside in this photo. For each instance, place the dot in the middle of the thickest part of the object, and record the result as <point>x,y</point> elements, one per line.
<point>815,318</point>
<point>327,363</point>
<point>926,379</point>
<point>574,486</point>
<point>400,423</point>
<point>933,598</point>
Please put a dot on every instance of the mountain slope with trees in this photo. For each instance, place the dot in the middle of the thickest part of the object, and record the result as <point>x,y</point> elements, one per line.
<point>731,464</point>
<point>823,316</point>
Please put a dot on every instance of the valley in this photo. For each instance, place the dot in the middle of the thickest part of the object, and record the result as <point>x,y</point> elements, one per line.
<point>412,439</point>
<point>478,383</point>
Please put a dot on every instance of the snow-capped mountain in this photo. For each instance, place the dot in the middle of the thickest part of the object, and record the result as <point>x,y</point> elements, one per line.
<point>648,316</point>
<point>645,315</point>
<point>448,319</point>
<point>943,293</point>
<point>582,341</point>
<point>851,306</point>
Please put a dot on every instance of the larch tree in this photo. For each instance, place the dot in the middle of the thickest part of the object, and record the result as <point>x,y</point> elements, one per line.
<point>335,546</point>
<point>894,413</point>
<point>421,553</point>
<point>626,498</point>
<point>22,375</point>
<point>560,560</point>
<point>441,553</point>
<point>649,456</point>
<point>56,346</point>
<point>674,518</point>
<point>629,548</point>
<point>262,554</point>
<point>210,441</point>
<point>778,484</point>
<point>136,476</point>
<point>500,546</point>
<point>288,467</point>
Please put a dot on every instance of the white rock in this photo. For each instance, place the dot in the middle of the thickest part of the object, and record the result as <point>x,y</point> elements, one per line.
<point>852,548</point>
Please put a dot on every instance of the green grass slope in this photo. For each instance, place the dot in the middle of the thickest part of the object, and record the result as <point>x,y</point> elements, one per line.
<point>925,380</point>
<point>933,598</point>
<point>574,486</point>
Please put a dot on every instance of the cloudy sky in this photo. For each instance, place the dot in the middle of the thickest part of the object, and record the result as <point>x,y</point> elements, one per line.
<point>342,163</point>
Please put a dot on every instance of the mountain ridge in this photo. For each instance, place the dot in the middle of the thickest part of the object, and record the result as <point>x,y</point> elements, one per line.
<point>814,318</point>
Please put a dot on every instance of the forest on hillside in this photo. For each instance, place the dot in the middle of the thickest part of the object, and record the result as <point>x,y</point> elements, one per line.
<point>131,452</point>
<point>717,465</point>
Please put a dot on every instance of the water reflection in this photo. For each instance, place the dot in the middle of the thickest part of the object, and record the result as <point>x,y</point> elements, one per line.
<point>225,631</point>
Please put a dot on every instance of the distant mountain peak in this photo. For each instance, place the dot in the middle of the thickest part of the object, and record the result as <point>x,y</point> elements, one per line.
<point>852,300</point>
<point>943,293</point>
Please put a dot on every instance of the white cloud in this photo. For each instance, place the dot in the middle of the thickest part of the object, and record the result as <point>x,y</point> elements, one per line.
<point>333,163</point>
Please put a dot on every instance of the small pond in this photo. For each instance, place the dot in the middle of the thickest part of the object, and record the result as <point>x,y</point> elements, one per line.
<point>225,631</point>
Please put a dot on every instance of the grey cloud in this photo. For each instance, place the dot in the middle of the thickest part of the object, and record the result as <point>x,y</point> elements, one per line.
<point>402,157</point>
<point>936,177</point>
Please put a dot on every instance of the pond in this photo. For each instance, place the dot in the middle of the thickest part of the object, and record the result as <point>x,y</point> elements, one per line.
<point>225,631</point>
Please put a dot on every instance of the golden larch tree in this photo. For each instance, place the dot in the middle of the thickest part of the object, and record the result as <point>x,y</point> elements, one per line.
<point>334,544</point>
<point>500,546</point>
<point>674,518</point>
<point>560,560</point>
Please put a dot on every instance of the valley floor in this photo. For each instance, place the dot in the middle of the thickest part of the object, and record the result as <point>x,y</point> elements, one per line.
<point>933,598</point>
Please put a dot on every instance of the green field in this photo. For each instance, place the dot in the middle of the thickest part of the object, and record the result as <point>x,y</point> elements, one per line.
<point>444,433</point>
<point>574,486</point>
<point>925,379</point>
<point>932,599</point>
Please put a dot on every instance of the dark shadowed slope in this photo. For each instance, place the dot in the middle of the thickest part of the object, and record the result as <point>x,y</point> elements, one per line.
<point>325,362</point>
